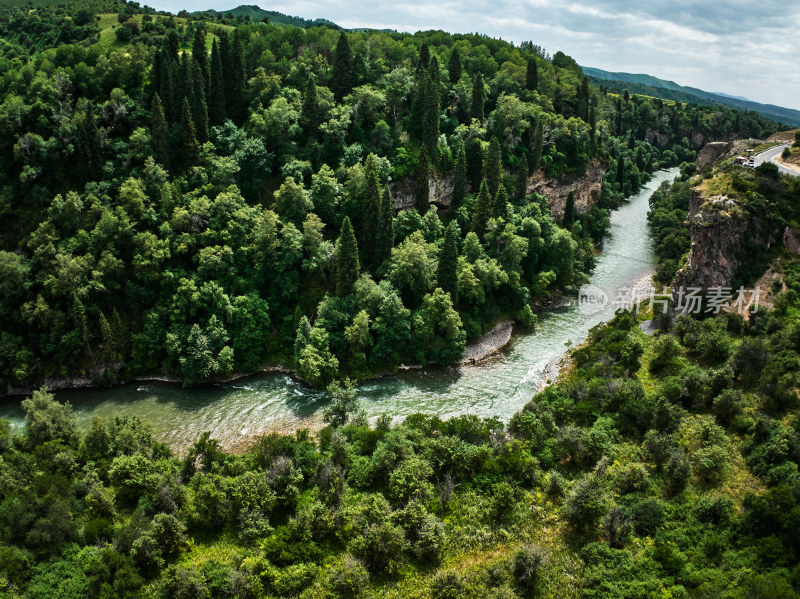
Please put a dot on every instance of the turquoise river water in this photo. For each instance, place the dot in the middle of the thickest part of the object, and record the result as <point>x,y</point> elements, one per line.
<point>500,386</point>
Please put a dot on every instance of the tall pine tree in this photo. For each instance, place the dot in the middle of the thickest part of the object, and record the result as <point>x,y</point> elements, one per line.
<point>532,75</point>
<point>384,240</point>
<point>493,167</point>
<point>199,106</point>
<point>345,260</point>
<point>483,211</point>
<point>535,156</point>
<point>521,184</point>
<point>190,145</point>
<point>500,202</point>
<point>216,87</point>
<point>200,54</point>
<point>448,261</point>
<point>478,98</point>
<point>422,189</point>
<point>371,210</point>
<point>569,211</point>
<point>459,179</point>
<point>236,101</point>
<point>309,115</point>
<point>343,70</point>
<point>159,132</point>
<point>454,66</point>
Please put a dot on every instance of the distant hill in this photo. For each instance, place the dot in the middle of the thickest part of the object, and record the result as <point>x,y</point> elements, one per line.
<point>648,85</point>
<point>256,13</point>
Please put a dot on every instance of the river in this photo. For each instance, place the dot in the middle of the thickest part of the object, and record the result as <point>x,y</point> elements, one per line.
<point>236,412</point>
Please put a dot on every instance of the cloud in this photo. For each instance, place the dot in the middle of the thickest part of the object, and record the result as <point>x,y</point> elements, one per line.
<point>738,47</point>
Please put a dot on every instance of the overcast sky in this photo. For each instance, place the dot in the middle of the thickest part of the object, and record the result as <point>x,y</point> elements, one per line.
<point>740,47</point>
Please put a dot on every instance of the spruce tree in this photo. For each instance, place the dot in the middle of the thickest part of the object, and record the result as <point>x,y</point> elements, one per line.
<point>448,261</point>
<point>309,115</point>
<point>500,202</point>
<point>173,46</point>
<point>385,235</point>
<point>536,150</point>
<point>459,179</point>
<point>422,189</point>
<point>483,211</point>
<point>216,87</point>
<point>159,132</point>
<point>302,338</point>
<point>430,121</point>
<point>478,98</point>
<point>454,66</point>
<point>199,106</point>
<point>569,211</point>
<point>236,102</point>
<point>191,148</point>
<point>424,60</point>
<point>342,71</point>
<point>371,210</point>
<point>345,260</point>
<point>521,188</point>
<point>493,167</point>
<point>532,75</point>
<point>200,54</point>
<point>620,170</point>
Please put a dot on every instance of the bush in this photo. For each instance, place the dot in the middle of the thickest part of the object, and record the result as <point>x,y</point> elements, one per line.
<point>647,516</point>
<point>348,578</point>
<point>587,503</point>
<point>528,564</point>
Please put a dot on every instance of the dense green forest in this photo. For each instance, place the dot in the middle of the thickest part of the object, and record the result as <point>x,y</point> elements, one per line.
<point>187,196</point>
<point>201,196</point>
<point>663,466</point>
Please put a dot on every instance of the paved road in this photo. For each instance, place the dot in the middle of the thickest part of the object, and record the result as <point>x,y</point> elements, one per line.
<point>770,155</point>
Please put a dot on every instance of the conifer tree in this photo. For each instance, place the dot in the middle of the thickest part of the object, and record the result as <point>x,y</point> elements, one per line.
<point>424,60</point>
<point>478,98</point>
<point>200,54</point>
<point>216,87</point>
<point>155,73</point>
<point>345,260</point>
<point>454,66</point>
<point>493,167</point>
<point>309,115</point>
<point>371,209</point>
<point>532,75</point>
<point>191,148</point>
<point>385,235</point>
<point>500,202</point>
<point>173,46</point>
<point>459,179</point>
<point>302,338</point>
<point>430,121</point>
<point>448,261</point>
<point>620,170</point>
<point>422,189</point>
<point>521,188</point>
<point>569,211</point>
<point>236,102</point>
<point>536,150</point>
<point>87,140</point>
<point>199,106</point>
<point>483,210</point>
<point>159,132</point>
<point>342,71</point>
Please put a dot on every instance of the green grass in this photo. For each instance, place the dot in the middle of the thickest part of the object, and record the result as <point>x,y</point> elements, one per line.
<point>108,24</point>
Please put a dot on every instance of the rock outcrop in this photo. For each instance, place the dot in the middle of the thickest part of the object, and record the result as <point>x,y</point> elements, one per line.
<point>440,191</point>
<point>718,226</point>
<point>585,189</point>
<point>711,152</point>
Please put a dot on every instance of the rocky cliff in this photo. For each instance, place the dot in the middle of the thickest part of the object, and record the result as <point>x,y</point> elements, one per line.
<point>440,191</point>
<point>585,189</point>
<point>711,152</point>
<point>718,226</point>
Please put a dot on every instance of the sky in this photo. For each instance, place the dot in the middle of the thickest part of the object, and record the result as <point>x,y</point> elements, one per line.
<point>738,47</point>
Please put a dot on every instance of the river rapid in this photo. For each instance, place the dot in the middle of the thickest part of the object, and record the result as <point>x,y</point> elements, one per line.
<point>237,412</point>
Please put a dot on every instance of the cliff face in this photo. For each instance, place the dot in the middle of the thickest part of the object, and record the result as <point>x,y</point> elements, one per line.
<point>718,226</point>
<point>440,191</point>
<point>585,189</point>
<point>710,152</point>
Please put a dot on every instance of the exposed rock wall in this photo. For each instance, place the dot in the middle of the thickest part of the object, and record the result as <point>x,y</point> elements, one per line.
<point>718,225</point>
<point>711,152</point>
<point>440,191</point>
<point>585,189</point>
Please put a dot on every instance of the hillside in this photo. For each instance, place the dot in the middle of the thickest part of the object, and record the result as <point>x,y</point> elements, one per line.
<point>648,85</point>
<point>255,14</point>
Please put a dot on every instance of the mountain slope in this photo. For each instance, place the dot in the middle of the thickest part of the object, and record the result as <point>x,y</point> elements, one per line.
<point>256,13</point>
<point>669,90</point>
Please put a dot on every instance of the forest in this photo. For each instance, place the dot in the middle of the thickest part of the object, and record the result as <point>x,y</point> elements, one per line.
<point>196,197</point>
<point>199,196</point>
